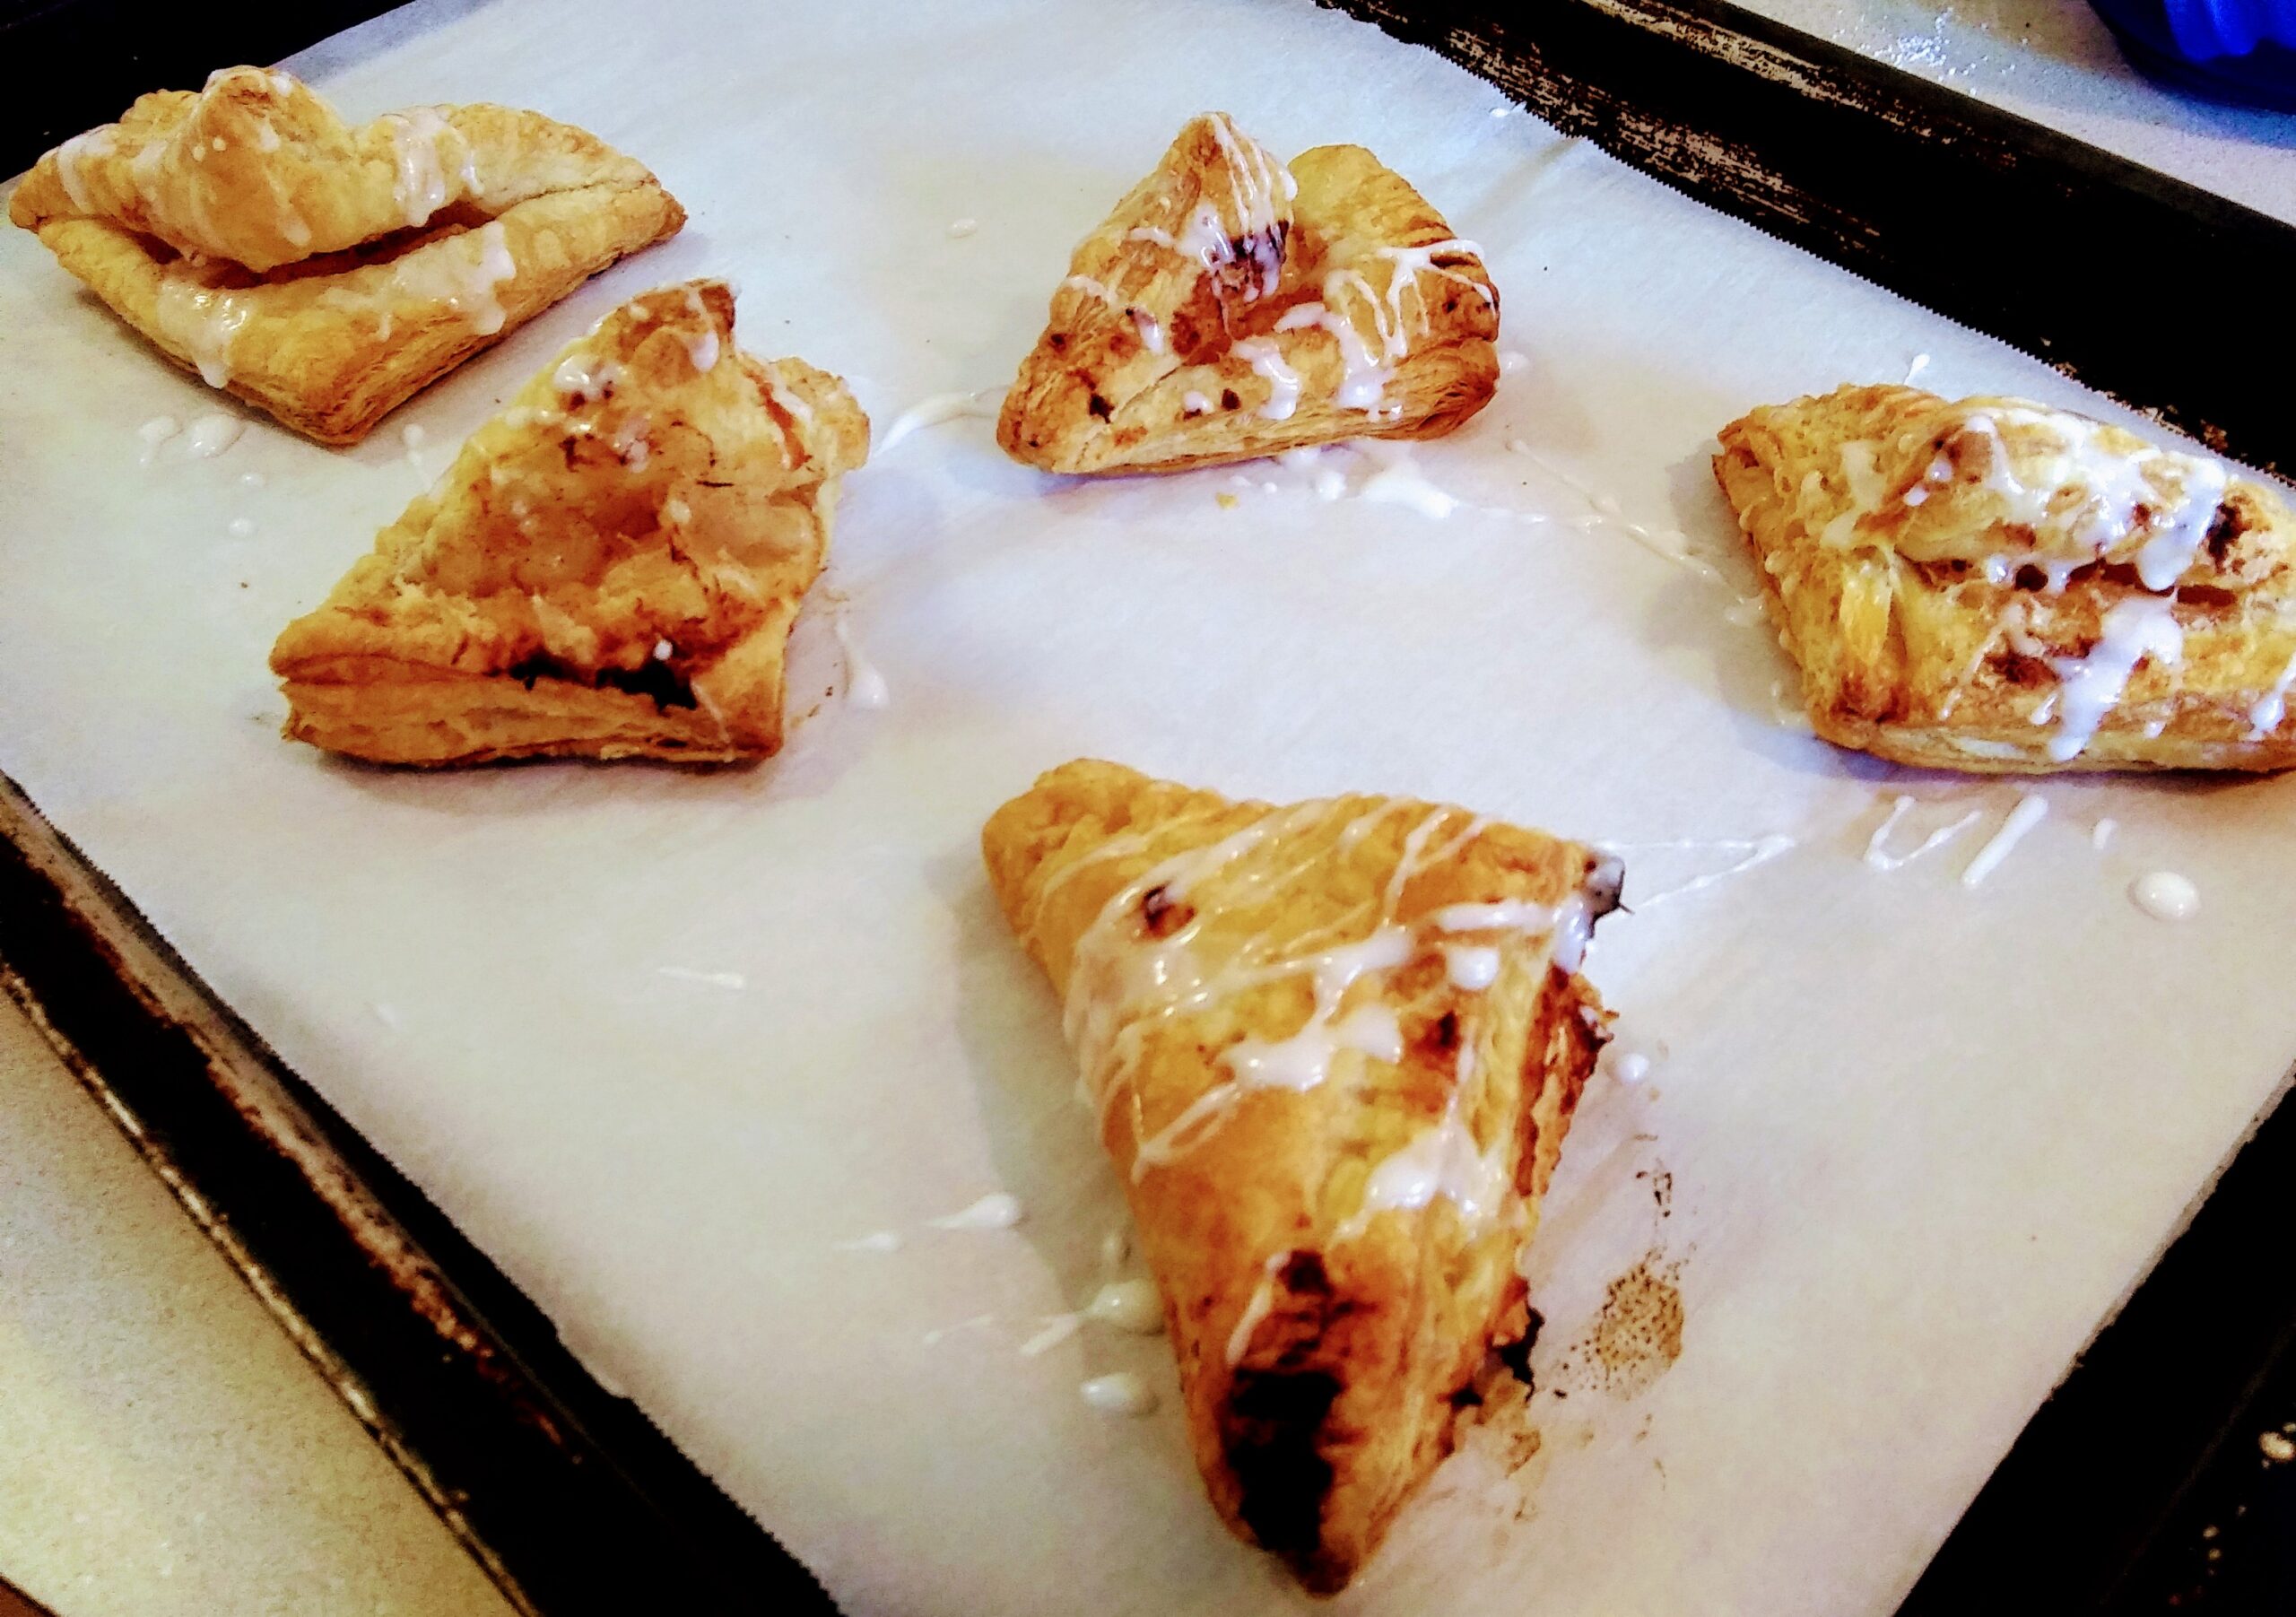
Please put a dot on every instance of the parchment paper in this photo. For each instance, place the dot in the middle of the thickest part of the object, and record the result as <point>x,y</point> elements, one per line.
<point>1920,1137</point>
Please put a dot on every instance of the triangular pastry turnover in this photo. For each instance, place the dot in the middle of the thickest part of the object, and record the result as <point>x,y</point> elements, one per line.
<point>609,568</point>
<point>1333,1049</point>
<point>1993,585</point>
<point>323,271</point>
<point>1232,307</point>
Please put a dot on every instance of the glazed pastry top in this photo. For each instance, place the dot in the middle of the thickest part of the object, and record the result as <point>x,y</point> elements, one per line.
<point>1989,584</point>
<point>257,170</point>
<point>644,498</point>
<point>1232,306</point>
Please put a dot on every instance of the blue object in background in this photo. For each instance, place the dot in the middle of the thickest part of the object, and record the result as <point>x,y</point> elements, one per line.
<point>2236,50</point>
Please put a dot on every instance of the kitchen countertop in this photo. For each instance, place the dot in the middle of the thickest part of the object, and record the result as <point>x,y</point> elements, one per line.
<point>164,1447</point>
<point>2055,62</point>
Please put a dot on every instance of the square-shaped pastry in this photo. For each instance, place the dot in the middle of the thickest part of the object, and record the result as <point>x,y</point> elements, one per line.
<point>325,273</point>
<point>1232,308</point>
<point>1996,586</point>
<point>609,570</point>
<point>1332,1049</point>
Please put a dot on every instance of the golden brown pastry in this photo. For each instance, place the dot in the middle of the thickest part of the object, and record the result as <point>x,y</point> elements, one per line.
<point>1333,1048</point>
<point>609,570</point>
<point>325,273</point>
<point>1232,307</point>
<point>1996,586</point>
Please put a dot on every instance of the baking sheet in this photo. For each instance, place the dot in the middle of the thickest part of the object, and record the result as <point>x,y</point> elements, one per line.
<point>1905,1142</point>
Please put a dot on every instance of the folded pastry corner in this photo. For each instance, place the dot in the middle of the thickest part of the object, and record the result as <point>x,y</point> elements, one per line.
<point>1333,1048</point>
<point>1232,308</point>
<point>326,272</point>
<point>609,568</point>
<point>1996,586</point>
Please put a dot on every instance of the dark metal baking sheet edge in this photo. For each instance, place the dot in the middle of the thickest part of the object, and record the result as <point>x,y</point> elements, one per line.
<point>568,1496</point>
<point>2166,297</point>
<point>2141,1486</point>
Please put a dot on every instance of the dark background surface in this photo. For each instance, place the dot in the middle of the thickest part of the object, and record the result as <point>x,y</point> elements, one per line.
<point>2142,1487</point>
<point>73,64</point>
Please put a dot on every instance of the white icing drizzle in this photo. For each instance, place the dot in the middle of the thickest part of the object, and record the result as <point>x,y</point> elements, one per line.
<point>941,407</point>
<point>2110,486</point>
<point>1751,855</point>
<point>959,229</point>
<point>882,1240</point>
<point>445,272</point>
<point>1122,984</point>
<point>1255,1307</point>
<point>1626,1063</point>
<point>1472,967</point>
<point>1119,1393</point>
<point>781,393</point>
<point>210,435</point>
<point>2272,708</point>
<point>1128,1305</point>
<point>154,432</point>
<point>420,189</point>
<point>1671,544</point>
<point>979,1321</point>
<point>1303,1060</point>
<point>714,979</point>
<point>1877,857</point>
<point>2101,833</point>
<point>1399,482</point>
<point>2090,686</point>
<point>71,154</point>
<point>1439,1161</point>
<point>1413,261</point>
<point>1363,377</point>
<point>1921,363</point>
<point>1571,926</point>
<point>1266,359</point>
<point>2165,896</point>
<point>1193,403</point>
<point>1867,490</point>
<point>202,318</point>
<point>864,687</point>
<point>998,1210</point>
<point>1058,1329</point>
<point>2031,808</point>
<point>1511,361</point>
<point>1092,289</point>
<point>1253,179</point>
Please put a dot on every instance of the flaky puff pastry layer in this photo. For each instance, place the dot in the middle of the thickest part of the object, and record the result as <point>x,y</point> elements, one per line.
<point>609,570</point>
<point>1334,1049</point>
<point>1232,307</point>
<point>1994,586</point>
<point>327,274</point>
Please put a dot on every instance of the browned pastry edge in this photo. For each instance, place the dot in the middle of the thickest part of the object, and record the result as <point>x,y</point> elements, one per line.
<point>330,369</point>
<point>611,568</point>
<point>1283,1417</point>
<point>1105,388</point>
<point>1315,1419</point>
<point>1894,657</point>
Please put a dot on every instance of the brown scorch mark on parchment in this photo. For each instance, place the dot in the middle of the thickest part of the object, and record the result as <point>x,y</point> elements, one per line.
<point>1637,1334</point>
